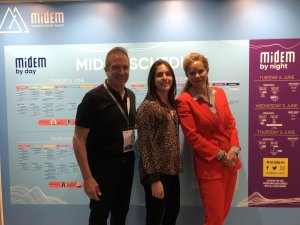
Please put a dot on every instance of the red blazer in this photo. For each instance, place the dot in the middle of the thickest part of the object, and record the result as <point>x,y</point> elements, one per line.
<point>207,133</point>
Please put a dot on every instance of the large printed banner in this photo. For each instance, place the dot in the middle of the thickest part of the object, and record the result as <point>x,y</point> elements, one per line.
<point>44,85</point>
<point>274,123</point>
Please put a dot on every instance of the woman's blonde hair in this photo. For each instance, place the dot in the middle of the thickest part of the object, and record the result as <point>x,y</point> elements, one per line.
<point>188,60</point>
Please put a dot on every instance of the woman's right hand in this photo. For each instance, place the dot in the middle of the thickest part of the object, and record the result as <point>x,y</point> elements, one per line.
<point>157,190</point>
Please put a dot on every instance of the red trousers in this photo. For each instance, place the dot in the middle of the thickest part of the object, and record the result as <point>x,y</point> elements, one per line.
<point>216,196</point>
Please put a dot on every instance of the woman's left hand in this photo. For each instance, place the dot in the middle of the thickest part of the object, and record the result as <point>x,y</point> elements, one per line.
<point>231,158</point>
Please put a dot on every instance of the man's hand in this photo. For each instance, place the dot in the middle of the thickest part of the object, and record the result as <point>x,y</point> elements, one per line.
<point>92,189</point>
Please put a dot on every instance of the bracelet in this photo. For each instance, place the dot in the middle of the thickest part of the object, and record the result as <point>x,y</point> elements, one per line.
<point>236,150</point>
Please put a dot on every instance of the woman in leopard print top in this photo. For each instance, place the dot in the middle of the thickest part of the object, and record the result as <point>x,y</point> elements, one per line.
<point>160,160</point>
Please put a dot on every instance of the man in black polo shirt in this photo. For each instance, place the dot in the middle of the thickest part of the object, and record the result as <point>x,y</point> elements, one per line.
<point>103,142</point>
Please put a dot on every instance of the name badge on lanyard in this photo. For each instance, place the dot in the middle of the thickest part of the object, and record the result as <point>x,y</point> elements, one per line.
<point>128,135</point>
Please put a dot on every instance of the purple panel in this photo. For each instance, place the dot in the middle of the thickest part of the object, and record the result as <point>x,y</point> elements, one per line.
<point>274,123</point>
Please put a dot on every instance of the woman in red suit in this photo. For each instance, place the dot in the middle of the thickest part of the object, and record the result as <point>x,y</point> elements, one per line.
<point>209,128</point>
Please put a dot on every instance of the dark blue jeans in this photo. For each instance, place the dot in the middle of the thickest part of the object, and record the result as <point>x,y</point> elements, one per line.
<point>115,181</point>
<point>163,211</point>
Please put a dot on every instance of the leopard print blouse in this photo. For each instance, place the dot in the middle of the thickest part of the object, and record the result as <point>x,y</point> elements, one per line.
<point>158,139</point>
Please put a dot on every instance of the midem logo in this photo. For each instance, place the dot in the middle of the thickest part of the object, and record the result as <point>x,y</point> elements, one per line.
<point>13,22</point>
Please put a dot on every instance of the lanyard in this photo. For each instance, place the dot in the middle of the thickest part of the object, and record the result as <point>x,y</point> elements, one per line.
<point>118,104</point>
